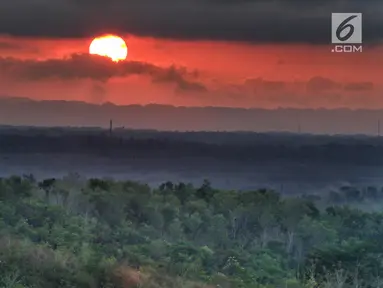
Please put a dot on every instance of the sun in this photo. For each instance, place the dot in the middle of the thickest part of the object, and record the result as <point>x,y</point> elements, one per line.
<point>111,46</point>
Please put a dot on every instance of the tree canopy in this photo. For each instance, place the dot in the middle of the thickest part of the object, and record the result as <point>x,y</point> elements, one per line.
<point>75,232</point>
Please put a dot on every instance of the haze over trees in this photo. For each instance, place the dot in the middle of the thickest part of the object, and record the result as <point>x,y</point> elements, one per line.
<point>290,163</point>
<point>152,144</point>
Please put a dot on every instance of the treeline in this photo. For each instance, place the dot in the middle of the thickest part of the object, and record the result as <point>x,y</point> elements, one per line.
<point>359,153</point>
<point>74,232</point>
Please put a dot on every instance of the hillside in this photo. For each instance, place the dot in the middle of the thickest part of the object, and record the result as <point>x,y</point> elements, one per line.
<point>73,232</point>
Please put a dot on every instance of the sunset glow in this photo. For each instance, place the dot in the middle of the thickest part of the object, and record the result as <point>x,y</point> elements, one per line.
<point>236,60</point>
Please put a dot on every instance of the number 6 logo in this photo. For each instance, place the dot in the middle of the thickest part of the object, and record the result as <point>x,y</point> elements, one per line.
<point>344,26</point>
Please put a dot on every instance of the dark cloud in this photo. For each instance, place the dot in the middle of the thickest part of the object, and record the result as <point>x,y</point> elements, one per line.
<point>176,75</point>
<point>359,86</point>
<point>11,46</point>
<point>85,66</point>
<point>244,20</point>
<point>321,84</point>
<point>279,91</point>
<point>261,85</point>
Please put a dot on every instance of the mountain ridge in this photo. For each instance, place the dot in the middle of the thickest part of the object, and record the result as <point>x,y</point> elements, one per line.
<point>22,111</point>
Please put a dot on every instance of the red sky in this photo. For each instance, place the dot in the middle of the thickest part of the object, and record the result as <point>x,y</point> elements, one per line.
<point>231,73</point>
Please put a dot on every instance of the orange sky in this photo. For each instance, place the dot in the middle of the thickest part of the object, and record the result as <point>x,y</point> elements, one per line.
<point>304,70</point>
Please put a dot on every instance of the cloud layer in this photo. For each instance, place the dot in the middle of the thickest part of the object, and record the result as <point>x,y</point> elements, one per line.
<point>191,87</point>
<point>85,66</point>
<point>260,21</point>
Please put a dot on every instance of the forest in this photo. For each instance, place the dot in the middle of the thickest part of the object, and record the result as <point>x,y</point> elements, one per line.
<point>78,232</point>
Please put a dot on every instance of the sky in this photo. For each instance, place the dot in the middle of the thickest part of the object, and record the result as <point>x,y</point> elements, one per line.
<point>231,53</point>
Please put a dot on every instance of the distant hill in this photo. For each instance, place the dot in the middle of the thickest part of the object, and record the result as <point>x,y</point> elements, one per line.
<point>24,111</point>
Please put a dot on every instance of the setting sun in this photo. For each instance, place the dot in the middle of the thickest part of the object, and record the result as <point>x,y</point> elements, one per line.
<point>110,46</point>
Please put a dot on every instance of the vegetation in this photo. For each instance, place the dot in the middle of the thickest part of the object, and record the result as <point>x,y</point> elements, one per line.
<point>73,232</point>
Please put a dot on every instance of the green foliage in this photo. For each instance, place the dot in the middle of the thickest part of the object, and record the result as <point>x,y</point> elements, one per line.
<point>103,233</point>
